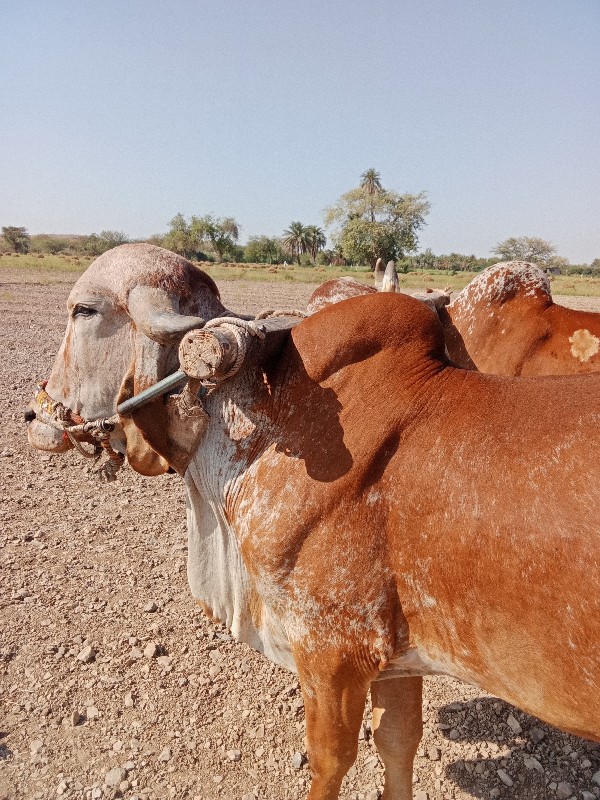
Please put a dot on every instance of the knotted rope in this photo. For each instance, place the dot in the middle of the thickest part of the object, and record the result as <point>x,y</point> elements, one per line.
<point>58,416</point>
<point>241,329</point>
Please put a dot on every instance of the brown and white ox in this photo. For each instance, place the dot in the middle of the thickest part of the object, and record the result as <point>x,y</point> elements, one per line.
<point>365,513</point>
<point>505,322</point>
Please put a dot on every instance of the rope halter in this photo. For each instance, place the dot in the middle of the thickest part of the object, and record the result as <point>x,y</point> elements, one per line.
<point>58,416</point>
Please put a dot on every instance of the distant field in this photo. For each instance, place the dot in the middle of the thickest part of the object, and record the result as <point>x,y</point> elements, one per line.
<point>434,279</point>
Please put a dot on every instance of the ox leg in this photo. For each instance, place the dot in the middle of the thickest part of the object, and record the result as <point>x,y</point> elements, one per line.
<point>334,703</point>
<point>397,730</point>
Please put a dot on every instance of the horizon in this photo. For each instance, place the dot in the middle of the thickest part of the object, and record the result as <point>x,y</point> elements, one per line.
<point>270,112</point>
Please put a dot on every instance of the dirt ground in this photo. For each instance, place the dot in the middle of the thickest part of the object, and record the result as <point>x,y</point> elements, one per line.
<point>112,682</point>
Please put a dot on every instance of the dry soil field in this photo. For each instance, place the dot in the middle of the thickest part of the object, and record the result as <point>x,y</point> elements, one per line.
<point>112,682</point>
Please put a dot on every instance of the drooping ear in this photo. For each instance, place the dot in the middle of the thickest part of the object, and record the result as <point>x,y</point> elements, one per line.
<point>167,431</point>
<point>142,457</point>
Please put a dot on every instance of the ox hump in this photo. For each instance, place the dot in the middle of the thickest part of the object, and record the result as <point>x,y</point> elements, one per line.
<point>503,282</point>
<point>336,290</point>
<point>356,329</point>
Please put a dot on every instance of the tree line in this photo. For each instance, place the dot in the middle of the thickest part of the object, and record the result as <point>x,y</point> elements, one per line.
<point>366,223</point>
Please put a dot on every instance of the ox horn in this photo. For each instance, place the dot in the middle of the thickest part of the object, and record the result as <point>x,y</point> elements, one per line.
<point>154,312</point>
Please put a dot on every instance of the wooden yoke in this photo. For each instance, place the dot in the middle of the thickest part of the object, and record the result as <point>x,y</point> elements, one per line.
<point>216,352</point>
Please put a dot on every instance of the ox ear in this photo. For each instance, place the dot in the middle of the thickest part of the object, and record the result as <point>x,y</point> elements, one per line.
<point>142,457</point>
<point>155,314</point>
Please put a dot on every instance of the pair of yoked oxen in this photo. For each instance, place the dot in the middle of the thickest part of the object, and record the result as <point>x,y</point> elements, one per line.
<point>365,506</point>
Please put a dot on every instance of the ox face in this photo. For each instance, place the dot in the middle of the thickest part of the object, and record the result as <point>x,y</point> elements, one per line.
<point>127,314</point>
<point>99,333</point>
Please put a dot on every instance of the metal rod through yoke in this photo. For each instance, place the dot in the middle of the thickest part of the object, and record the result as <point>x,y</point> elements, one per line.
<point>166,384</point>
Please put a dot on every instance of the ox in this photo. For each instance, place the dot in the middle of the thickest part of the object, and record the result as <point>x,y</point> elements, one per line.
<point>360,510</point>
<point>505,322</point>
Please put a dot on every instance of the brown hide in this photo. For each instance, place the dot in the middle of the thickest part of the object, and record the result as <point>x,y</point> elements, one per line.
<point>459,523</point>
<point>506,323</point>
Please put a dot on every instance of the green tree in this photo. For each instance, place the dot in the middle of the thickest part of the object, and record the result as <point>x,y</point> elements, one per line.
<point>315,241</point>
<point>96,244</point>
<point>369,224</point>
<point>190,237</point>
<point>219,233</point>
<point>179,239</point>
<point>49,244</point>
<point>370,181</point>
<point>296,240</point>
<point>525,248</point>
<point>17,238</point>
<point>263,250</point>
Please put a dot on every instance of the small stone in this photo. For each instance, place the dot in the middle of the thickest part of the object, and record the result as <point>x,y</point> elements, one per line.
<point>129,701</point>
<point>92,712</point>
<point>115,776</point>
<point>588,796</point>
<point>150,607</point>
<point>421,794</point>
<point>165,754</point>
<point>234,755</point>
<point>504,777</point>
<point>564,790</point>
<point>87,655</point>
<point>514,725</point>
<point>151,650</point>
<point>596,778</point>
<point>532,763</point>
<point>297,760</point>
<point>434,753</point>
<point>536,735</point>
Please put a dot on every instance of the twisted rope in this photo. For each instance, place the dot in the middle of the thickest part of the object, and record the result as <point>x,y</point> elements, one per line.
<point>285,312</point>
<point>58,416</point>
<point>241,330</point>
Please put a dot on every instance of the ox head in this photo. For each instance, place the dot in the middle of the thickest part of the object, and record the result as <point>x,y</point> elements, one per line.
<point>127,314</point>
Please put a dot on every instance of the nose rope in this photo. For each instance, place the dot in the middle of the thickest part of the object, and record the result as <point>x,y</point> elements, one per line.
<point>58,416</point>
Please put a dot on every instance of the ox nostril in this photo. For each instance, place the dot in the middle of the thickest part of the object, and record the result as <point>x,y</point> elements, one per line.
<point>29,415</point>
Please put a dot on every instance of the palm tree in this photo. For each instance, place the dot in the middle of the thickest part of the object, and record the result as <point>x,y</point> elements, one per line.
<point>370,180</point>
<point>295,240</point>
<point>316,240</point>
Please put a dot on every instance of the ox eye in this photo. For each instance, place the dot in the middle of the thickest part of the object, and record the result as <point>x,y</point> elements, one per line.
<point>83,311</point>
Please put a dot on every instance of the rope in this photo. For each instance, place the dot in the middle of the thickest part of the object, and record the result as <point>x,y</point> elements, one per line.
<point>291,312</point>
<point>241,330</point>
<point>249,326</point>
<point>61,418</point>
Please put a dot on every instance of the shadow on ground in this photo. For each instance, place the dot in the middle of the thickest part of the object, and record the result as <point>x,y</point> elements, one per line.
<point>515,755</point>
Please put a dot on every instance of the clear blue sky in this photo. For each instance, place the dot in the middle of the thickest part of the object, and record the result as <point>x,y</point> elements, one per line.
<point>120,113</point>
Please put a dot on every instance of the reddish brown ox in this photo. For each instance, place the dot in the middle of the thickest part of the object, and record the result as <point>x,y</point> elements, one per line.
<point>506,323</point>
<point>364,513</point>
